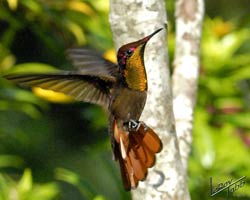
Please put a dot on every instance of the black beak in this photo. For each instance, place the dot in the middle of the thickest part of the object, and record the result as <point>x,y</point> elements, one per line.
<point>146,39</point>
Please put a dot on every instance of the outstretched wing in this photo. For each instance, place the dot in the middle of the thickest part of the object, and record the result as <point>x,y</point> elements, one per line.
<point>90,62</point>
<point>91,82</point>
<point>87,88</point>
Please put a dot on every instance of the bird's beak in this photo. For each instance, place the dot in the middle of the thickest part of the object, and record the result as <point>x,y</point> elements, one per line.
<point>146,39</point>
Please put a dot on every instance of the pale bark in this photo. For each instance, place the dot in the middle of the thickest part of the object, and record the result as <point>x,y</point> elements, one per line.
<point>189,17</point>
<point>131,20</point>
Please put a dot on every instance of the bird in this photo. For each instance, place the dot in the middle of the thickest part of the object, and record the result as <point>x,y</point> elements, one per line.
<point>121,88</point>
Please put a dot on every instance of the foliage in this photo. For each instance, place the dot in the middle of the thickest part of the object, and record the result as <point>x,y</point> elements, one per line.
<point>65,144</point>
<point>222,119</point>
<point>25,189</point>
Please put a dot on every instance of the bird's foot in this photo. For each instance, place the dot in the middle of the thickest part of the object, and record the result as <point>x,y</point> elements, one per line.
<point>133,125</point>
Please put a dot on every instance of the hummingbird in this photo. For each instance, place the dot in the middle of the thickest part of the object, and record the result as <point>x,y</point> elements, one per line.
<point>122,90</point>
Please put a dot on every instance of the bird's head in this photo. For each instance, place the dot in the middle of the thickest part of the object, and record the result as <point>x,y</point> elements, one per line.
<point>133,50</point>
<point>131,63</point>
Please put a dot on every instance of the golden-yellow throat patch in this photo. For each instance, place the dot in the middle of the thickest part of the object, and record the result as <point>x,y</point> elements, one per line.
<point>135,74</point>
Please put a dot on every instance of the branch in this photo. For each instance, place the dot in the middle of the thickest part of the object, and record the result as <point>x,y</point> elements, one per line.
<point>131,20</point>
<point>189,17</point>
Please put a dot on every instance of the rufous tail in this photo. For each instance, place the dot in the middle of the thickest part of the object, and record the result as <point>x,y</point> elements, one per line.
<point>137,149</point>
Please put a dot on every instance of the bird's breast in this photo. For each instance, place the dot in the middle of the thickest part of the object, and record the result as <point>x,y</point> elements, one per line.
<point>127,104</point>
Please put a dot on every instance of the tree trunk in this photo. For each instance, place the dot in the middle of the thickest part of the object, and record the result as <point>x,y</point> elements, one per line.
<point>189,17</point>
<point>131,20</point>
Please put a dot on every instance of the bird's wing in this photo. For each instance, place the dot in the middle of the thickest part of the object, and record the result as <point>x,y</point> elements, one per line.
<point>87,88</point>
<point>89,62</point>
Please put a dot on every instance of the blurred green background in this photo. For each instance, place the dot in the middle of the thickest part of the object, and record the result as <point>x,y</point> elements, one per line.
<point>61,150</point>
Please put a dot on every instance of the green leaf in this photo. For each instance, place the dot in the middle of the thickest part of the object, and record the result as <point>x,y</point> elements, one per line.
<point>25,184</point>
<point>237,119</point>
<point>204,146</point>
<point>32,68</point>
<point>230,149</point>
<point>46,191</point>
<point>72,178</point>
<point>11,161</point>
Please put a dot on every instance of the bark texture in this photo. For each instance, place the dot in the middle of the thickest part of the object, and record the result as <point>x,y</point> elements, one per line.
<point>131,20</point>
<point>189,18</point>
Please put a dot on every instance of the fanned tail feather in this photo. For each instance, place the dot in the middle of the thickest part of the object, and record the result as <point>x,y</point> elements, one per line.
<point>136,154</point>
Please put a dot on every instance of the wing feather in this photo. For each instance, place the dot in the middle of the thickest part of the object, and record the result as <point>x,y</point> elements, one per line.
<point>85,88</point>
<point>91,82</point>
<point>87,61</point>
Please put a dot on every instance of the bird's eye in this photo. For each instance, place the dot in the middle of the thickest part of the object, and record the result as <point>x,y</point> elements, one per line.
<point>129,52</point>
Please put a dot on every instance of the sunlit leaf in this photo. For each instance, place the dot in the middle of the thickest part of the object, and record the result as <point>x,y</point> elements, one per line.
<point>22,101</point>
<point>26,108</point>
<point>12,4</point>
<point>52,96</point>
<point>204,146</point>
<point>32,68</point>
<point>10,161</point>
<point>33,5</point>
<point>230,150</point>
<point>221,28</point>
<point>99,197</point>
<point>74,179</point>
<point>218,51</point>
<point>220,86</point>
<point>77,31</point>
<point>238,119</point>
<point>5,188</point>
<point>46,191</point>
<point>110,55</point>
<point>241,73</point>
<point>228,102</point>
<point>7,59</point>
<point>25,183</point>
<point>14,94</point>
<point>80,7</point>
<point>101,5</point>
<point>25,189</point>
<point>68,176</point>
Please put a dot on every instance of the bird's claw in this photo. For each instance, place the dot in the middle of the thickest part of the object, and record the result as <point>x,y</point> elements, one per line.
<point>133,125</point>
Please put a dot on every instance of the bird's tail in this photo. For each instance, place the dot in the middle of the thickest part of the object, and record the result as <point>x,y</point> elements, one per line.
<point>137,149</point>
